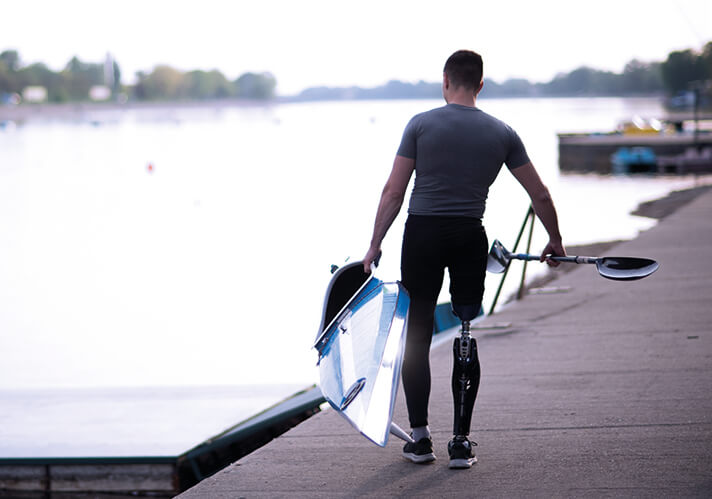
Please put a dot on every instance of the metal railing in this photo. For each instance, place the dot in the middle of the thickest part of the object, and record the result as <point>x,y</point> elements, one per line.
<point>528,219</point>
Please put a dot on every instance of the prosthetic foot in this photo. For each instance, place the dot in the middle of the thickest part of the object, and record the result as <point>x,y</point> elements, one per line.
<point>465,373</point>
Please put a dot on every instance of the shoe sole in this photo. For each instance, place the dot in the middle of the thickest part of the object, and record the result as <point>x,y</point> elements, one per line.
<point>461,464</point>
<point>419,458</point>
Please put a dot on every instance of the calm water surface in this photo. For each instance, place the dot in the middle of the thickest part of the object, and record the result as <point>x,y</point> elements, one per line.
<point>209,266</point>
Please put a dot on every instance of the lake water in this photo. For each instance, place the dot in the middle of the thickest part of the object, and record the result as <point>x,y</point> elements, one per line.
<point>192,247</point>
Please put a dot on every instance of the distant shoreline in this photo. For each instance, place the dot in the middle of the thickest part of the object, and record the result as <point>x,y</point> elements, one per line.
<point>26,112</point>
<point>73,110</point>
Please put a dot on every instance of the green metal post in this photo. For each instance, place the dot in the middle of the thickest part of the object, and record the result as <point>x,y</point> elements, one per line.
<point>520,292</point>
<point>530,213</point>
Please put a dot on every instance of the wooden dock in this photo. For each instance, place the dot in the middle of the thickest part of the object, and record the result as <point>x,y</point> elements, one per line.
<point>586,153</point>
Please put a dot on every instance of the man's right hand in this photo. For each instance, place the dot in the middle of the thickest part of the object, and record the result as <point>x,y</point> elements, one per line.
<point>371,256</point>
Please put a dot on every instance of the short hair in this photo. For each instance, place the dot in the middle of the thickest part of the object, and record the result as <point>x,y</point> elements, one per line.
<point>464,69</point>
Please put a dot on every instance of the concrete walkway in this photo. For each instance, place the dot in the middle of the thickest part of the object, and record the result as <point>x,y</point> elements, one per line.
<point>604,390</point>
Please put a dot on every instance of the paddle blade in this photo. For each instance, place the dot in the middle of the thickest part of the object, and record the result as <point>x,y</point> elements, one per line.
<point>498,258</point>
<point>622,268</point>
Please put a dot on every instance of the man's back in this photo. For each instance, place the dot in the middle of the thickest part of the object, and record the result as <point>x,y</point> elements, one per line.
<point>458,152</point>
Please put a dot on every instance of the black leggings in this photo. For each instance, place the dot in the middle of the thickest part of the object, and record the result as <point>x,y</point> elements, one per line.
<point>430,244</point>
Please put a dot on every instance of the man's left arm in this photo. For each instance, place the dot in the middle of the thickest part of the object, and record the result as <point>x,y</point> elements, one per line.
<point>389,206</point>
<point>543,206</point>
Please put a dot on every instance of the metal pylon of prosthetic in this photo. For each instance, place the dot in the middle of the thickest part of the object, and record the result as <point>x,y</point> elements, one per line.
<point>465,380</point>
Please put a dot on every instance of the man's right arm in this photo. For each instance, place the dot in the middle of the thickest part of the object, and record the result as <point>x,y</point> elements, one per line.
<point>543,207</point>
<point>389,206</point>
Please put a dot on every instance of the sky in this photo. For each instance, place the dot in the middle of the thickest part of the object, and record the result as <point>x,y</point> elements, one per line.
<point>366,43</point>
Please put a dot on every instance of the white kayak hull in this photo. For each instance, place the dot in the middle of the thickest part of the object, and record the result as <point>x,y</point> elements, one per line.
<point>361,348</point>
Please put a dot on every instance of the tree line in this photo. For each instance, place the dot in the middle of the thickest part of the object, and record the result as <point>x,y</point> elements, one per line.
<point>682,71</point>
<point>75,80</point>
<point>167,83</point>
<point>71,84</point>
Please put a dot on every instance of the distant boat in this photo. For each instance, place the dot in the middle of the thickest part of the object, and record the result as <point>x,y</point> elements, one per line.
<point>637,144</point>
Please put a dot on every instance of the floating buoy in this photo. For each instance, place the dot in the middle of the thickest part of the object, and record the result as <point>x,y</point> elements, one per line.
<point>150,168</point>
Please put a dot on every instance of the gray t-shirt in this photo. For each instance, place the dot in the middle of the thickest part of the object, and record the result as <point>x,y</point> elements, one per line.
<point>458,152</point>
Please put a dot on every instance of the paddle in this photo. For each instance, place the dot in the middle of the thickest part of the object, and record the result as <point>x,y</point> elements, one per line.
<point>618,268</point>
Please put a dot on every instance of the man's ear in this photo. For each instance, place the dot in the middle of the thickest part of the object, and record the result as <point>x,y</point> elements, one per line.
<point>479,89</point>
<point>446,81</point>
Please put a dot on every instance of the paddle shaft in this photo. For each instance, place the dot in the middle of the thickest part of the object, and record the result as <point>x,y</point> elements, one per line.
<point>616,268</point>
<point>569,259</point>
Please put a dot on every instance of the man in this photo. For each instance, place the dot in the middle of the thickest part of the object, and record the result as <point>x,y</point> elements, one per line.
<point>456,152</point>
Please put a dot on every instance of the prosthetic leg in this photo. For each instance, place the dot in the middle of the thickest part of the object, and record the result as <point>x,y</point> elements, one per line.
<point>465,373</point>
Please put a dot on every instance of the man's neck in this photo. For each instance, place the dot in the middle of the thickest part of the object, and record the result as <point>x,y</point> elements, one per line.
<point>463,98</point>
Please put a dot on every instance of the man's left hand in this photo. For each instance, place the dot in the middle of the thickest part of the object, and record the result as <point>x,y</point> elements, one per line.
<point>553,248</point>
